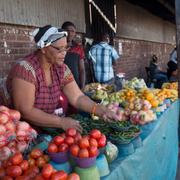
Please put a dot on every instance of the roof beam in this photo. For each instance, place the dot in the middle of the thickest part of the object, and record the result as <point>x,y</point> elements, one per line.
<point>166,4</point>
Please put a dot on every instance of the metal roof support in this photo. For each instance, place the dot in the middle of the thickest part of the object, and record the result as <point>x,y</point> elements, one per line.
<point>177,7</point>
<point>165,4</point>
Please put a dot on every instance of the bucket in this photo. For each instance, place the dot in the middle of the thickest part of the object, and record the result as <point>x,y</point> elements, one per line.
<point>102,165</point>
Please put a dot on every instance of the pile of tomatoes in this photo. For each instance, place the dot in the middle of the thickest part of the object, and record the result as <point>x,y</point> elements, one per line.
<point>88,146</point>
<point>37,158</point>
<point>48,172</point>
<point>16,168</point>
<point>62,142</point>
<point>83,147</point>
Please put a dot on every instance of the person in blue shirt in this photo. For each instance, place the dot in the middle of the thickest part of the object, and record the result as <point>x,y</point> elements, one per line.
<point>104,57</point>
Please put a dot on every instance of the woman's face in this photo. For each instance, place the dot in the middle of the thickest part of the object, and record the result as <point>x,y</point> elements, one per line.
<point>55,53</point>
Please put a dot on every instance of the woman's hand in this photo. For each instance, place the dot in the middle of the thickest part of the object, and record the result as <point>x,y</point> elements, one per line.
<point>106,114</point>
<point>68,122</point>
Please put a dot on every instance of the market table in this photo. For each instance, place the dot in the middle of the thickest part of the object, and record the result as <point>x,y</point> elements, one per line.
<point>157,158</point>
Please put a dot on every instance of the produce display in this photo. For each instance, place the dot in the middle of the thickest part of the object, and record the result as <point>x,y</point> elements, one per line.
<point>117,132</point>
<point>16,167</point>
<point>15,135</point>
<point>135,107</point>
<point>98,91</point>
<point>134,83</point>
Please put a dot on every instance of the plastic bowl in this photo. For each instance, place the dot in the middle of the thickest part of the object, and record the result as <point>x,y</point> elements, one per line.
<point>60,157</point>
<point>91,173</point>
<point>84,162</point>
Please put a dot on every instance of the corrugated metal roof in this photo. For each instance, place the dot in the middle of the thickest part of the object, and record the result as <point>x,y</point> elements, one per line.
<point>42,12</point>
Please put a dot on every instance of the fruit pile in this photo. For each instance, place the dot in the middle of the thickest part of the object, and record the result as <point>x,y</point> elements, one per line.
<point>62,142</point>
<point>79,146</point>
<point>15,135</point>
<point>134,83</point>
<point>37,158</point>
<point>17,168</point>
<point>173,85</point>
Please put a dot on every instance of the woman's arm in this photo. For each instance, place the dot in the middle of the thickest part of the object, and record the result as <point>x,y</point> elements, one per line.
<point>80,101</point>
<point>23,99</point>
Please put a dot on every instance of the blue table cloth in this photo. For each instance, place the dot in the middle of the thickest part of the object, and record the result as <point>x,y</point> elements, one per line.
<point>157,158</point>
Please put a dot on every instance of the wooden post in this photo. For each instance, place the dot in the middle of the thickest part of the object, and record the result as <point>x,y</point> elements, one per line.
<point>177,6</point>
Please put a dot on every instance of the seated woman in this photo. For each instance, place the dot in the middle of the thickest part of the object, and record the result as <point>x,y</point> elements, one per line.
<point>172,66</point>
<point>156,73</point>
<point>36,83</point>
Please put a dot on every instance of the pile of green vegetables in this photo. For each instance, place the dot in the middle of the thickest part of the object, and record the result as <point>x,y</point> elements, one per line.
<point>120,132</point>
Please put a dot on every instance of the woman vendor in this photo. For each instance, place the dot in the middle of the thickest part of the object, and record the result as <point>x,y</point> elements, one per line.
<point>36,83</point>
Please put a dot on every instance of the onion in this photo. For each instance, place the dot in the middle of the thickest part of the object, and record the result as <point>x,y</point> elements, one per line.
<point>4,108</point>
<point>3,141</point>
<point>23,126</point>
<point>21,133</point>
<point>10,126</point>
<point>12,144</point>
<point>21,146</point>
<point>2,129</point>
<point>15,115</point>
<point>5,152</point>
<point>4,117</point>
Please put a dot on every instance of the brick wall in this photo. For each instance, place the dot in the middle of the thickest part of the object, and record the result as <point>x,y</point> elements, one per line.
<point>15,43</point>
<point>136,55</point>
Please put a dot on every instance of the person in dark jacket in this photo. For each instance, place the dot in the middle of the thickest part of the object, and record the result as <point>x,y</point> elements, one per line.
<point>156,73</point>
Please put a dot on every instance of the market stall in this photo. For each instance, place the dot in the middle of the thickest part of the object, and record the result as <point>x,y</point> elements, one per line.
<point>142,144</point>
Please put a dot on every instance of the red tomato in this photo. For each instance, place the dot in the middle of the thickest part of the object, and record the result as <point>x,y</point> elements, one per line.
<point>31,172</point>
<point>31,162</point>
<point>59,175</point>
<point>93,151</point>
<point>83,153</point>
<point>73,176</point>
<point>24,165</point>
<point>77,137</point>
<point>71,132</point>
<point>58,140</point>
<point>74,149</point>
<point>63,147</point>
<point>103,137</point>
<point>22,178</point>
<point>2,172</point>
<point>7,178</point>
<point>84,143</point>
<point>69,140</point>
<point>15,115</point>
<point>6,163</point>
<point>14,171</point>
<point>93,142</point>
<point>17,158</point>
<point>52,148</point>
<point>36,153</point>
<point>95,133</point>
<point>101,142</point>
<point>47,171</point>
<point>40,162</point>
<point>39,177</point>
